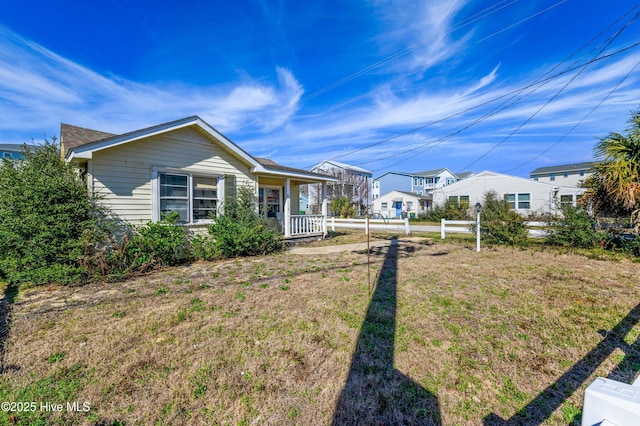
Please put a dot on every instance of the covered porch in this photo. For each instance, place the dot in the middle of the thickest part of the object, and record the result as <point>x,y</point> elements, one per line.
<point>279,200</point>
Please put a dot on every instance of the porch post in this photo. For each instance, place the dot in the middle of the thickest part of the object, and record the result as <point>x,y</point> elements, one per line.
<point>287,208</point>
<point>325,208</point>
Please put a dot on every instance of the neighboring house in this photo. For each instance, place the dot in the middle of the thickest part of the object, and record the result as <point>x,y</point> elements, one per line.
<point>186,166</point>
<point>464,175</point>
<point>353,182</point>
<point>10,150</point>
<point>400,204</point>
<point>525,196</point>
<point>565,175</point>
<point>421,183</point>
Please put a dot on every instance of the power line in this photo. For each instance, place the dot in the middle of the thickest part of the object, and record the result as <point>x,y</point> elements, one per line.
<point>571,80</point>
<point>541,81</point>
<point>414,45</point>
<point>375,65</point>
<point>579,122</point>
<point>537,82</point>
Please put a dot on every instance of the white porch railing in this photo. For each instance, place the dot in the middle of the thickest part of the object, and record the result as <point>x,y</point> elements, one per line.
<point>307,224</point>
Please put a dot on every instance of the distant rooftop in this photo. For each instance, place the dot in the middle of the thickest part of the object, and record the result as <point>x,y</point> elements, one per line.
<point>575,167</point>
<point>11,147</point>
<point>337,164</point>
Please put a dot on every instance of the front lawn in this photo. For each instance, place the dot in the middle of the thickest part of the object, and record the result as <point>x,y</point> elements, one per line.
<point>439,335</point>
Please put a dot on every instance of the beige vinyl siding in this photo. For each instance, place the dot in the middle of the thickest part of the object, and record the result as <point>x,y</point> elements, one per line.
<point>122,174</point>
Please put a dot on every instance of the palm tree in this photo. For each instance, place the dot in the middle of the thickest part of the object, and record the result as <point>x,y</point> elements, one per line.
<point>617,177</point>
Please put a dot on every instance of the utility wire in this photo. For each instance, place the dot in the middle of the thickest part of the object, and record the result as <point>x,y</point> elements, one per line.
<point>537,82</point>
<point>351,77</point>
<point>579,122</point>
<point>571,80</point>
<point>414,45</point>
<point>540,81</point>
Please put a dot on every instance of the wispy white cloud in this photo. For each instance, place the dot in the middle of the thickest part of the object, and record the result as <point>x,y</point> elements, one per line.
<point>50,89</point>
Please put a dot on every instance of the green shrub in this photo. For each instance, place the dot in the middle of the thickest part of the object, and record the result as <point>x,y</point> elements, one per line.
<point>342,207</point>
<point>451,210</point>
<point>238,231</point>
<point>44,211</point>
<point>159,243</point>
<point>575,229</point>
<point>499,224</point>
<point>115,249</point>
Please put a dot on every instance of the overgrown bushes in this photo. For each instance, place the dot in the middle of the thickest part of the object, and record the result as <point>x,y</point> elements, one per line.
<point>44,211</point>
<point>239,231</point>
<point>53,231</point>
<point>500,224</point>
<point>574,229</point>
<point>451,210</point>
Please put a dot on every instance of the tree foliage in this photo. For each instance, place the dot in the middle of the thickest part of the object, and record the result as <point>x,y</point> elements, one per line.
<point>616,184</point>
<point>574,229</point>
<point>499,224</point>
<point>342,207</point>
<point>44,210</point>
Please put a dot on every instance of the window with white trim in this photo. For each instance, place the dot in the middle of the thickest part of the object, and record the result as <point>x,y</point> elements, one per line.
<point>194,198</point>
<point>522,201</point>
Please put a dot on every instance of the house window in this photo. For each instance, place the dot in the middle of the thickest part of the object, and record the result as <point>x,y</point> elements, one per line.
<point>511,199</point>
<point>449,181</point>
<point>464,198</point>
<point>269,200</point>
<point>566,200</point>
<point>581,172</point>
<point>205,198</point>
<point>535,177</point>
<point>552,176</point>
<point>383,206</point>
<point>174,195</point>
<point>6,154</point>
<point>409,205</point>
<point>565,174</point>
<point>194,198</point>
<point>524,201</point>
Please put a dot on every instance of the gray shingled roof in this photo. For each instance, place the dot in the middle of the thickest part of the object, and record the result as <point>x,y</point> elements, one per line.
<point>576,167</point>
<point>14,147</point>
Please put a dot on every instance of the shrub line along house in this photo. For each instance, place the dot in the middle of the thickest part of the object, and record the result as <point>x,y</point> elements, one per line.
<point>188,167</point>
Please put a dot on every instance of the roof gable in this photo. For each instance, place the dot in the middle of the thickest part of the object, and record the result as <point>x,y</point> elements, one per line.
<point>89,141</point>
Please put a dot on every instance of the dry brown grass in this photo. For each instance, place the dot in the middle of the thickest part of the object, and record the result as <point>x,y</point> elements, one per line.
<point>449,337</point>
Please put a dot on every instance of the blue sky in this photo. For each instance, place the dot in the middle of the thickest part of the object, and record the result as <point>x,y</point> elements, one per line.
<point>406,85</point>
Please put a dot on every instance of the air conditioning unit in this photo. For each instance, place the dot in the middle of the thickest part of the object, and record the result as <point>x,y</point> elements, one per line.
<point>611,403</point>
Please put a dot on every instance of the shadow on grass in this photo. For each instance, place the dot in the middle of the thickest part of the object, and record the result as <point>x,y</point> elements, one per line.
<point>543,405</point>
<point>6,307</point>
<point>375,393</point>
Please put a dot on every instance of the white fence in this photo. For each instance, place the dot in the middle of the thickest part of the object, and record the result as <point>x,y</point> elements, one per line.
<point>535,229</point>
<point>307,224</point>
<point>386,224</point>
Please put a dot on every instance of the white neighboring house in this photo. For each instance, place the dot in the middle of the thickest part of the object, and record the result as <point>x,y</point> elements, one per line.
<point>525,196</point>
<point>352,183</point>
<point>565,174</point>
<point>397,204</point>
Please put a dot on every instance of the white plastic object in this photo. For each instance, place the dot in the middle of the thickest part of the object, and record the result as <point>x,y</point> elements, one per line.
<point>611,403</point>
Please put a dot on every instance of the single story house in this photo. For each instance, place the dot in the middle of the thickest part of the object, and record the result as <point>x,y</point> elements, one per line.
<point>186,166</point>
<point>525,196</point>
<point>397,204</point>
